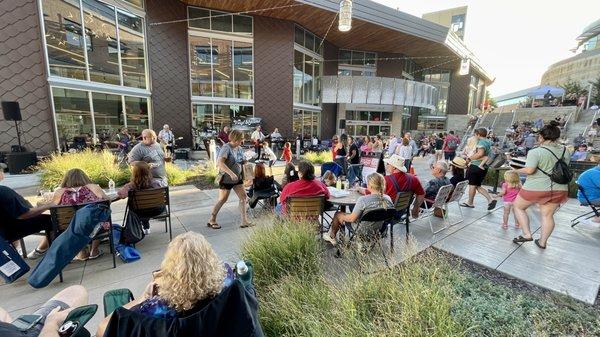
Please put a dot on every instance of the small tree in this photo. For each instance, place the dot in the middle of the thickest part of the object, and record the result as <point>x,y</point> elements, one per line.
<point>573,90</point>
<point>596,90</point>
<point>490,100</point>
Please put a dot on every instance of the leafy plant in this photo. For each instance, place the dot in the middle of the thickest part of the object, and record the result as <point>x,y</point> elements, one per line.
<point>318,157</point>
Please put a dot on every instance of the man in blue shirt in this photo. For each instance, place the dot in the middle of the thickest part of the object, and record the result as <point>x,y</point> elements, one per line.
<point>581,153</point>
<point>590,183</point>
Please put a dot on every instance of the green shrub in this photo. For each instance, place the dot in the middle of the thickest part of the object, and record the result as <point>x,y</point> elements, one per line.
<point>318,157</point>
<point>208,173</point>
<point>286,248</point>
<point>100,167</point>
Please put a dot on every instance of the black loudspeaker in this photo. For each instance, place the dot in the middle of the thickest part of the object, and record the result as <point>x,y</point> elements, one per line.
<point>11,110</point>
<point>342,124</point>
<point>19,161</point>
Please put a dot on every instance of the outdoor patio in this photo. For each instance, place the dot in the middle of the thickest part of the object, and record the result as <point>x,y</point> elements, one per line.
<point>568,265</point>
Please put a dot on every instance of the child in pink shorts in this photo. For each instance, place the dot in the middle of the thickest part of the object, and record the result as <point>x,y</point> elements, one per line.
<point>510,189</point>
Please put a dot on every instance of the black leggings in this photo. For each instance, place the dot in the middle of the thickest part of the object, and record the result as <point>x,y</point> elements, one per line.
<point>13,230</point>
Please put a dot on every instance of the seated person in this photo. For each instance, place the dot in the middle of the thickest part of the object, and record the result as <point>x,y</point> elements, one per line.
<point>290,174</point>
<point>190,276</point>
<point>397,180</point>
<point>590,183</point>
<point>328,179</point>
<point>262,185</point>
<point>19,218</point>
<point>142,179</point>
<point>458,166</point>
<point>76,188</point>
<point>307,186</point>
<point>53,314</point>
<point>375,199</point>
<point>581,154</point>
<point>438,171</point>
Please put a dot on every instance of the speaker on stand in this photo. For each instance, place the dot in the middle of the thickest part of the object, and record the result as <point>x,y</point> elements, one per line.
<point>12,112</point>
<point>18,160</point>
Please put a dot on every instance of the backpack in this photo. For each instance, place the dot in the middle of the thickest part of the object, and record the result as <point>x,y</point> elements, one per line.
<point>496,159</point>
<point>560,173</point>
<point>452,144</point>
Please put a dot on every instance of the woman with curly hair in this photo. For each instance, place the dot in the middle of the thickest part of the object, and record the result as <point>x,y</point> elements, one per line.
<point>190,275</point>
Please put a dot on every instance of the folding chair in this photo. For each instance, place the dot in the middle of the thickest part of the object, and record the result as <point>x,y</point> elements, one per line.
<point>402,206</point>
<point>145,202</point>
<point>586,215</point>
<point>61,219</point>
<point>439,202</point>
<point>263,198</point>
<point>457,194</point>
<point>368,228</point>
<point>307,208</point>
<point>335,168</point>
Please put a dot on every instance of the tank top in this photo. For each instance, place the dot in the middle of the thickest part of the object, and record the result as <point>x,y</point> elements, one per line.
<point>341,152</point>
<point>77,195</point>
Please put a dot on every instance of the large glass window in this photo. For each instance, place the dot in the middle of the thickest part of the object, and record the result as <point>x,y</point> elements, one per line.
<point>77,121</point>
<point>306,123</point>
<point>307,77</point>
<point>102,51</point>
<point>200,58</point>
<point>308,40</point>
<point>357,63</point>
<point>216,116</point>
<point>298,75</point>
<point>221,64</point>
<point>65,41</point>
<point>362,123</point>
<point>64,38</point>
<point>133,55</point>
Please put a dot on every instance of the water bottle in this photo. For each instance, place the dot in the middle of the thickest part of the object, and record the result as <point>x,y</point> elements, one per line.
<point>346,184</point>
<point>241,268</point>
<point>338,184</point>
<point>111,186</point>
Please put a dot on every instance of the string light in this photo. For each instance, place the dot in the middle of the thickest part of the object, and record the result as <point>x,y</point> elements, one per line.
<point>345,22</point>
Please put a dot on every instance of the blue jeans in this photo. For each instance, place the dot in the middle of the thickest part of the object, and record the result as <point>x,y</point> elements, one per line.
<point>354,173</point>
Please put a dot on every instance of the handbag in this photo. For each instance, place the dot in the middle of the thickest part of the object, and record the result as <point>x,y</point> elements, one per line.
<point>132,232</point>
<point>12,265</point>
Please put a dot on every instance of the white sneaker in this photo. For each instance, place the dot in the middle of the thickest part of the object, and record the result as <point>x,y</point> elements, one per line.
<point>146,231</point>
<point>329,239</point>
<point>35,254</point>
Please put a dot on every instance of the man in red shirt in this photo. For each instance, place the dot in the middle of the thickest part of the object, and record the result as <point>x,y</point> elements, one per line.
<point>397,180</point>
<point>306,186</point>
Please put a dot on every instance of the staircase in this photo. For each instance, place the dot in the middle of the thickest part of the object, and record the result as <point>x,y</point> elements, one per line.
<point>503,122</point>
<point>575,128</point>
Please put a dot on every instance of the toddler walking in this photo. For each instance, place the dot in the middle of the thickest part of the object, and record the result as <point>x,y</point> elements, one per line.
<point>510,189</point>
<point>287,153</point>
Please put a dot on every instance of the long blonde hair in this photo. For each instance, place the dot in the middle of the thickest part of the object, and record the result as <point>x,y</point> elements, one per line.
<point>376,183</point>
<point>190,272</point>
<point>512,179</point>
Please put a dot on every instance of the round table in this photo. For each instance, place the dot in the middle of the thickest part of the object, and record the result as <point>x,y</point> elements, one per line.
<point>348,200</point>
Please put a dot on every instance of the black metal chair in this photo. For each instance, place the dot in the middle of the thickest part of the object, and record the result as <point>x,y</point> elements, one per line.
<point>586,215</point>
<point>402,206</point>
<point>153,203</point>
<point>368,228</point>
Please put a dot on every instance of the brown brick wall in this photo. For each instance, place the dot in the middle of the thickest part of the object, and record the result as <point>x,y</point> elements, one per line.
<point>169,67</point>
<point>390,68</point>
<point>23,77</point>
<point>273,64</point>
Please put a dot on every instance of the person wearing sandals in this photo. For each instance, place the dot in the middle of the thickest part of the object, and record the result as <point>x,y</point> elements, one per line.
<point>230,162</point>
<point>538,187</point>
<point>475,173</point>
<point>76,188</point>
<point>510,189</point>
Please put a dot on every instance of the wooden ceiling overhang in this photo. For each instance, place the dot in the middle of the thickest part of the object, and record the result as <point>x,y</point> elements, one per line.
<point>388,34</point>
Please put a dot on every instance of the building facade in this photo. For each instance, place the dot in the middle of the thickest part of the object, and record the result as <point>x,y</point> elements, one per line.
<point>87,68</point>
<point>583,67</point>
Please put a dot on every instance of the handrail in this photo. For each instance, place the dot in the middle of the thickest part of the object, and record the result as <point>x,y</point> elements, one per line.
<point>585,131</point>
<point>469,134</point>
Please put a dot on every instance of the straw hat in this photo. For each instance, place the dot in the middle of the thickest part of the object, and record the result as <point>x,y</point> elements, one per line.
<point>396,161</point>
<point>459,162</point>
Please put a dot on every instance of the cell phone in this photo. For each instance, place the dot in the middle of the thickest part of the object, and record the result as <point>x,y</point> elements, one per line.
<point>26,322</point>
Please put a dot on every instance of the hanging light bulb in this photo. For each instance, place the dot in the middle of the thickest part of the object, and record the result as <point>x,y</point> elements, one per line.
<point>345,20</point>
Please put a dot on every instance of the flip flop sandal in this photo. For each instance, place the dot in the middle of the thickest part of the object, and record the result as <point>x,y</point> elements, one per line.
<point>213,225</point>
<point>464,204</point>
<point>521,239</point>
<point>492,205</point>
<point>504,226</point>
<point>78,259</point>
<point>93,257</point>
<point>537,243</point>
<point>246,225</point>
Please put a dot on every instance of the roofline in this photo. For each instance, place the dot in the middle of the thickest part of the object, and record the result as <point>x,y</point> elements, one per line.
<point>382,15</point>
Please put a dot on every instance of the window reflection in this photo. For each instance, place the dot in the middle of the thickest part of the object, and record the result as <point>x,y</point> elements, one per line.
<point>73,118</point>
<point>108,115</point>
<point>64,39</point>
<point>131,35</point>
<point>200,63</point>
<point>222,72</point>
<point>306,123</point>
<point>243,74</point>
<point>136,110</point>
<point>103,58</point>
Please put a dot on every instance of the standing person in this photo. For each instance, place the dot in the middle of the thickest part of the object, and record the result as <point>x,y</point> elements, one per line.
<point>451,143</point>
<point>539,188</point>
<point>276,140</point>
<point>405,151</point>
<point>353,161</point>
<point>411,142</point>
<point>152,153</point>
<point>393,142</point>
<point>377,144</point>
<point>223,135</point>
<point>439,146</point>
<point>269,155</point>
<point>167,138</point>
<point>510,189</point>
<point>340,153</point>
<point>257,138</point>
<point>230,162</point>
<point>475,173</point>
<point>334,141</point>
<point>366,145</point>
<point>123,140</point>
<point>286,155</point>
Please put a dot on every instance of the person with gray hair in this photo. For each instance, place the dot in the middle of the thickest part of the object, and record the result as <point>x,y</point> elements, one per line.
<point>439,171</point>
<point>149,151</point>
